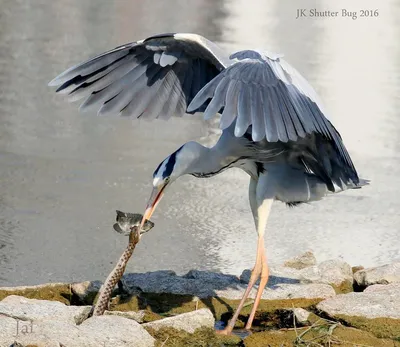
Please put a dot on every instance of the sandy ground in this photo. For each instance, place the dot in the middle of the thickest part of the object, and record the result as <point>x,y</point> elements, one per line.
<point>63,174</point>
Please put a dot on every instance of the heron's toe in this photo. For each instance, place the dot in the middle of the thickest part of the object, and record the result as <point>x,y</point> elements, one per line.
<point>227,331</point>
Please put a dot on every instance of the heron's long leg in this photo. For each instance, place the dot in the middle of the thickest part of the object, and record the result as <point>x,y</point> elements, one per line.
<point>263,212</point>
<point>261,199</point>
<point>263,282</point>
<point>255,274</point>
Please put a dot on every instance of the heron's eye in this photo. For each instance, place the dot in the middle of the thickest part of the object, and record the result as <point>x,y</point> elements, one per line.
<point>167,179</point>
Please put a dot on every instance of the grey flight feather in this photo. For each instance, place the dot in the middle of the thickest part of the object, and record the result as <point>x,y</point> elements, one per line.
<point>150,70</point>
<point>294,106</point>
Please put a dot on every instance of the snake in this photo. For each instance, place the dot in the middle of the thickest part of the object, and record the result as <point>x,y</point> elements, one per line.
<point>127,224</point>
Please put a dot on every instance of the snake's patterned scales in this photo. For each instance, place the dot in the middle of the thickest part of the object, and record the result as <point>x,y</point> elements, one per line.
<point>126,223</point>
<point>115,275</point>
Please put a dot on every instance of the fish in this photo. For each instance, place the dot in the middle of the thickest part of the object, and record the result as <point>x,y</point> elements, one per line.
<point>126,221</point>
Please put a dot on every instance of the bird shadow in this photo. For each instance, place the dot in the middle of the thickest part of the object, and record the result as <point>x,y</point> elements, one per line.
<point>167,294</point>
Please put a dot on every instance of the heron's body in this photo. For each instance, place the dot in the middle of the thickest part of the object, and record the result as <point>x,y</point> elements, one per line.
<point>274,125</point>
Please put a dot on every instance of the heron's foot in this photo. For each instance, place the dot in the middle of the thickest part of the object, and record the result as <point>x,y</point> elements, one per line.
<point>227,331</point>
<point>247,328</point>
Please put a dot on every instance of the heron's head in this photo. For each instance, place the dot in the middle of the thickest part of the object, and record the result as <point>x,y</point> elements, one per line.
<point>183,161</point>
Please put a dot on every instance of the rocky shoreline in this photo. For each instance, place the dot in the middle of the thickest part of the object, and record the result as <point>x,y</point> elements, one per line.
<point>305,304</point>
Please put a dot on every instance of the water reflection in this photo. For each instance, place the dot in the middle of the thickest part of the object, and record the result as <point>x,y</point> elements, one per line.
<point>7,248</point>
<point>64,174</point>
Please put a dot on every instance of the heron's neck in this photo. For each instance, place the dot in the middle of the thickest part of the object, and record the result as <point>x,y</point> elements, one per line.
<point>214,160</point>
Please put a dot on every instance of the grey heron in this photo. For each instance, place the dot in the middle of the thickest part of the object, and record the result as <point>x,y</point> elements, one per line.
<point>273,124</point>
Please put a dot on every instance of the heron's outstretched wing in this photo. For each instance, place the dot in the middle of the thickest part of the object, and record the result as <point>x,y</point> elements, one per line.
<point>155,77</point>
<point>264,91</point>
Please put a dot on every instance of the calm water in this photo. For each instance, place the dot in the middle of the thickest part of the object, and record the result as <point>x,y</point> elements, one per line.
<point>63,174</point>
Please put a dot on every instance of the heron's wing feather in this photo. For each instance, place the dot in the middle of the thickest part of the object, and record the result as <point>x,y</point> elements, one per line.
<point>288,105</point>
<point>273,97</point>
<point>158,76</point>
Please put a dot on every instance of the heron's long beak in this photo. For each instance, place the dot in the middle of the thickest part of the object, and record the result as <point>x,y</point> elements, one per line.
<point>155,198</point>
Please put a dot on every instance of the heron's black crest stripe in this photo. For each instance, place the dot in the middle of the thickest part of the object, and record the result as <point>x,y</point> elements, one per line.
<point>170,164</point>
<point>158,168</point>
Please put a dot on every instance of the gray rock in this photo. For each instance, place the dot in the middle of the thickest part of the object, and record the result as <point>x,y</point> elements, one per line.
<point>299,291</point>
<point>8,329</point>
<point>50,334</point>
<point>385,274</point>
<point>335,272</point>
<point>85,289</point>
<point>302,261</point>
<point>117,331</point>
<point>281,292</point>
<point>149,281</point>
<point>83,314</point>
<point>378,302</point>
<point>332,272</point>
<point>301,315</point>
<point>136,316</point>
<point>204,284</point>
<point>198,283</point>
<point>388,289</point>
<point>213,277</point>
<point>97,331</point>
<point>22,308</point>
<point>189,322</point>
